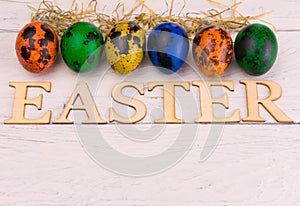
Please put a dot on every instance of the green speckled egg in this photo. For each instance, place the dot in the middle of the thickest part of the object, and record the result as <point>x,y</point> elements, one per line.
<point>256,49</point>
<point>125,47</point>
<point>81,46</point>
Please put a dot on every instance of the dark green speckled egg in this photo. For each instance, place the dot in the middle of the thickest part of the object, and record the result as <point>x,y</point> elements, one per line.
<point>256,49</point>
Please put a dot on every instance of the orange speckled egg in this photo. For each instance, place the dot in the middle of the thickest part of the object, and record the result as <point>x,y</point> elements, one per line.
<point>212,50</point>
<point>37,47</point>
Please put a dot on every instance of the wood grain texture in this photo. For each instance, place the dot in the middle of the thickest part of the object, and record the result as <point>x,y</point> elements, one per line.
<point>251,164</point>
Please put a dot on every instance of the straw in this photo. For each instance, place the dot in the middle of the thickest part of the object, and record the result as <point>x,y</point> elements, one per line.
<point>49,12</point>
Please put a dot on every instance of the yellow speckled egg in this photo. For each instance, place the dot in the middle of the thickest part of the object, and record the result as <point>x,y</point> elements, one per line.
<point>125,47</point>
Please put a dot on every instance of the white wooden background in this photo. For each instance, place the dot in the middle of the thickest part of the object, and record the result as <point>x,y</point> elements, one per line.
<point>253,164</point>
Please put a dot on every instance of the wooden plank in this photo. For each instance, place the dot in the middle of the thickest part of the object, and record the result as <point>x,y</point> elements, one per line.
<point>53,168</point>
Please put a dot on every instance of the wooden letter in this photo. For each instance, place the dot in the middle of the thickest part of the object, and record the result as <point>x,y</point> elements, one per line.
<point>206,100</point>
<point>268,104</point>
<point>20,102</point>
<point>169,100</point>
<point>139,106</point>
<point>88,104</point>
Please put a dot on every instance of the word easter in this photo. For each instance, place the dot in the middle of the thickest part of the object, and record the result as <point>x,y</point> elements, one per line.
<point>169,117</point>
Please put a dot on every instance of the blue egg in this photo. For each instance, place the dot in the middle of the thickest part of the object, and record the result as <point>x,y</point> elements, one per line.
<point>168,47</point>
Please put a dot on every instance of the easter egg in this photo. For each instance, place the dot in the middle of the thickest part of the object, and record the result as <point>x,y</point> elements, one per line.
<point>125,46</point>
<point>81,46</point>
<point>256,49</point>
<point>36,47</point>
<point>212,51</point>
<point>168,47</point>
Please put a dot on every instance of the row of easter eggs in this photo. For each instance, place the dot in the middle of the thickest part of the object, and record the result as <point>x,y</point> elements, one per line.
<point>255,48</point>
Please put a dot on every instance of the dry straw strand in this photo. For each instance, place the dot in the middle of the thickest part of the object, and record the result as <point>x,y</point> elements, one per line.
<point>49,12</point>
